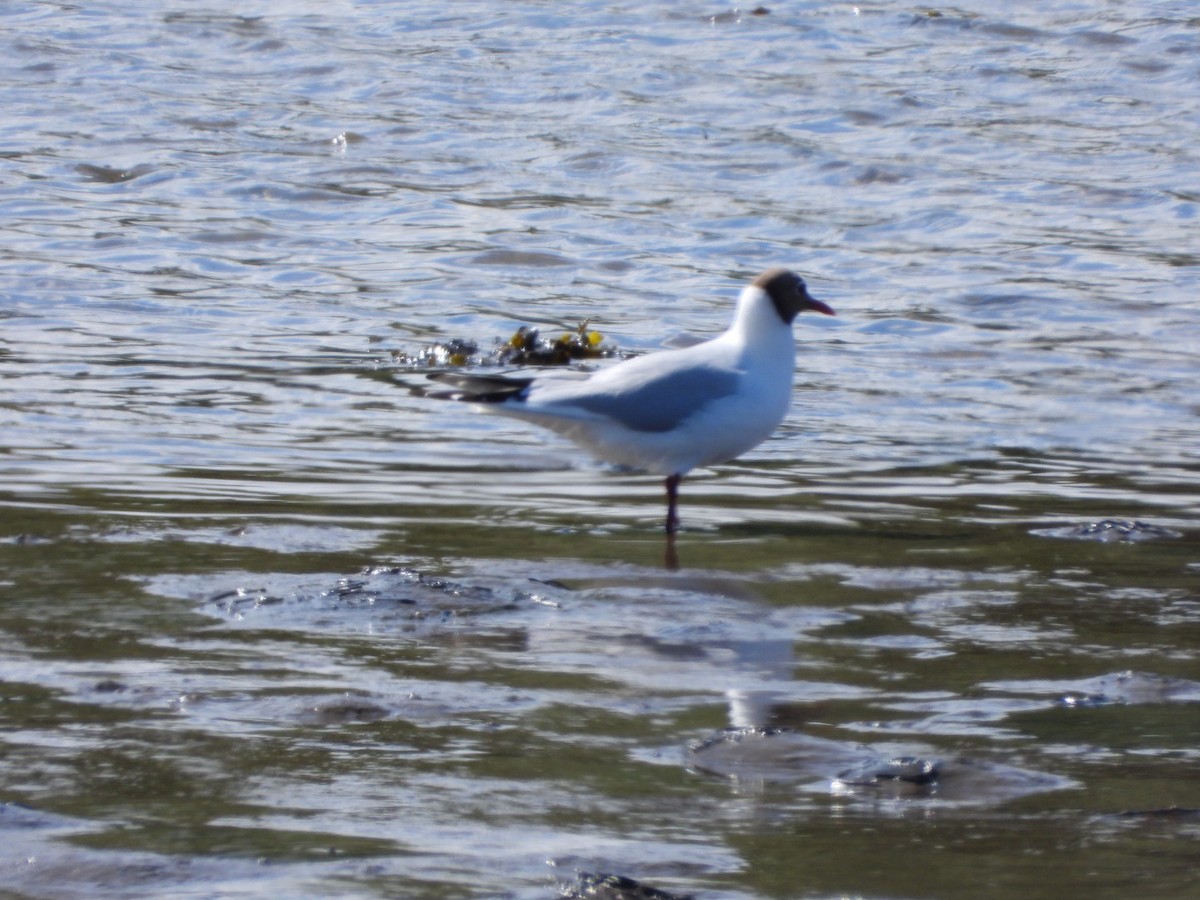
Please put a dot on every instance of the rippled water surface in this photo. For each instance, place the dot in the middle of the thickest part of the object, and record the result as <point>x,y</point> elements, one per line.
<point>271,624</point>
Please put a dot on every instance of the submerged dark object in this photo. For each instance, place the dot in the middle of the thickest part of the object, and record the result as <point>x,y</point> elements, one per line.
<point>1110,530</point>
<point>1165,812</point>
<point>846,768</point>
<point>913,770</point>
<point>390,593</point>
<point>615,887</point>
<point>1129,687</point>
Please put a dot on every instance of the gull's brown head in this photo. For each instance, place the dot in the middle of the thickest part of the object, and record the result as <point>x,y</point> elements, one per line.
<point>789,294</point>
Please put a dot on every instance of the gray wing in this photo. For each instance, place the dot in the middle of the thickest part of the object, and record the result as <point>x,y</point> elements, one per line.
<point>661,403</point>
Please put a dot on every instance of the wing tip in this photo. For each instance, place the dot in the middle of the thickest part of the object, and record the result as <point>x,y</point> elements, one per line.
<point>467,388</point>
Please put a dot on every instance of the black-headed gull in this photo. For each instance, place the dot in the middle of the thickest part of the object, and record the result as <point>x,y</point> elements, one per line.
<point>672,411</point>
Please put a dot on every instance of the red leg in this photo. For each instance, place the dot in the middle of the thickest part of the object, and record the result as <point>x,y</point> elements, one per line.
<point>673,503</point>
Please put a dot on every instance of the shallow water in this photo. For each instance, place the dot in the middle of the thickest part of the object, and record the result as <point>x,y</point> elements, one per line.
<point>270,624</point>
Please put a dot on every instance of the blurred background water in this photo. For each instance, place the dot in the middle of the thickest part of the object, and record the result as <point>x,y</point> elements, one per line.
<point>271,624</point>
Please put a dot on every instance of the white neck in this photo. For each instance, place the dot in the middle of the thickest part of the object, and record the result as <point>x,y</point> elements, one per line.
<point>757,321</point>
